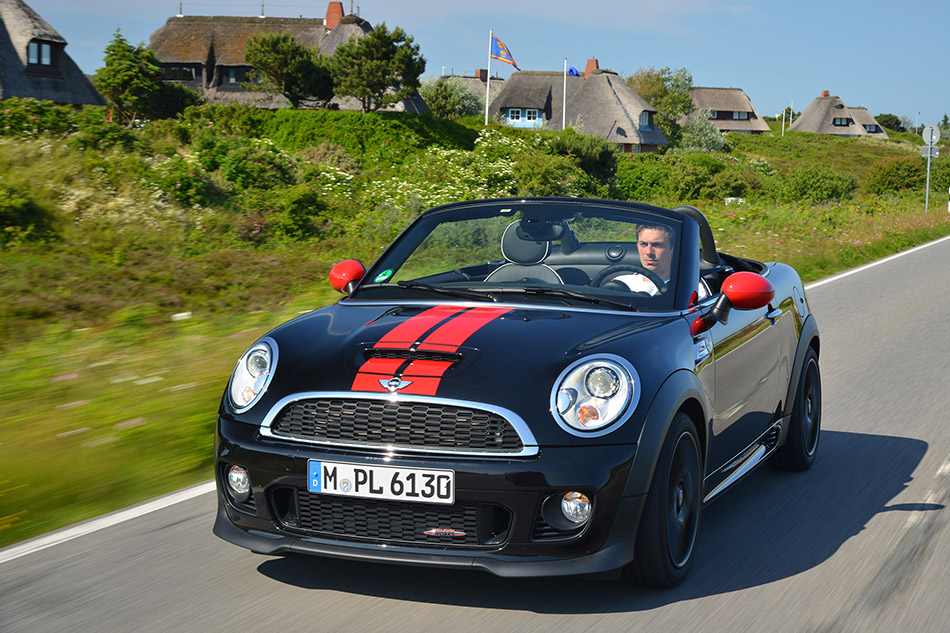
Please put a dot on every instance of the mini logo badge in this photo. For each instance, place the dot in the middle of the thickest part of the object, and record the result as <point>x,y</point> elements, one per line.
<point>443,532</point>
<point>394,384</point>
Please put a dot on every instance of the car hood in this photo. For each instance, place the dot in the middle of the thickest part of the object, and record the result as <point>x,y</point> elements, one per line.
<point>506,356</point>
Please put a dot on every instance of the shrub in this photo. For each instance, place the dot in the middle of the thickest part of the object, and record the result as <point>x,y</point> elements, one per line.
<point>21,218</point>
<point>95,131</point>
<point>815,183</point>
<point>165,136</point>
<point>940,174</point>
<point>689,179</point>
<point>181,179</point>
<point>28,117</point>
<point>288,214</point>
<point>546,175</point>
<point>260,166</point>
<point>890,176</point>
<point>593,154</point>
<point>640,180</point>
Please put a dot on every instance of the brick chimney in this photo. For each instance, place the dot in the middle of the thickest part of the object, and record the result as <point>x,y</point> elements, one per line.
<point>591,67</point>
<point>334,15</point>
<point>482,74</point>
<point>825,93</point>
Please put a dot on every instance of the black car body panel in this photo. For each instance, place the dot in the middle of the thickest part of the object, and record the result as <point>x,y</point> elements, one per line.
<point>407,377</point>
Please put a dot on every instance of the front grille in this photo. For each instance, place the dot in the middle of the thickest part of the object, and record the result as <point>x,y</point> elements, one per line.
<point>384,423</point>
<point>386,521</point>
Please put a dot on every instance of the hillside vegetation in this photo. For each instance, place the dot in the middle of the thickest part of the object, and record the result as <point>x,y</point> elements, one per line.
<point>137,264</point>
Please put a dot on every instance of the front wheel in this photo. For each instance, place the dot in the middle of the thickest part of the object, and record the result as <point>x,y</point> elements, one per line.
<point>801,445</point>
<point>663,552</point>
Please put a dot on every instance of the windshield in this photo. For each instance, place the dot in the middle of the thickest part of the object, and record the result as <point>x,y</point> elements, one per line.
<point>534,252</point>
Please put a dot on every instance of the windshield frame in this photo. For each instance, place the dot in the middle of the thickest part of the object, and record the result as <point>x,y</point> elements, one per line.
<point>374,285</point>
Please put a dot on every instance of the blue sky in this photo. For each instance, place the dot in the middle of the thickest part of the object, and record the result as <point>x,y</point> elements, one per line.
<point>889,57</point>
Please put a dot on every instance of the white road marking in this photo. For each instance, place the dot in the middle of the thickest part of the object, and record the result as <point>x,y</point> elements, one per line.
<point>55,538</point>
<point>67,534</point>
<point>854,271</point>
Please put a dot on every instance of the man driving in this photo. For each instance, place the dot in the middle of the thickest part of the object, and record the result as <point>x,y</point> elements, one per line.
<point>655,245</point>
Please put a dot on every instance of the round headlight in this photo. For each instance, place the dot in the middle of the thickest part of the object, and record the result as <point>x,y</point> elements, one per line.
<point>594,395</point>
<point>253,374</point>
<point>603,382</point>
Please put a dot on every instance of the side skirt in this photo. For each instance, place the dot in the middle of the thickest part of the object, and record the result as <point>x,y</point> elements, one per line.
<point>747,460</point>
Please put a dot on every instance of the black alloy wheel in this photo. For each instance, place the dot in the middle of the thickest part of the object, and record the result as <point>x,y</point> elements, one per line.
<point>666,540</point>
<point>801,445</point>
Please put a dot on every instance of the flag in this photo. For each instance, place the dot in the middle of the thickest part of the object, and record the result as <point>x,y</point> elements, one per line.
<point>500,52</point>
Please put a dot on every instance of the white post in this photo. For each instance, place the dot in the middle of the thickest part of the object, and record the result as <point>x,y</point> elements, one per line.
<point>488,76</point>
<point>564,102</point>
<point>783,123</point>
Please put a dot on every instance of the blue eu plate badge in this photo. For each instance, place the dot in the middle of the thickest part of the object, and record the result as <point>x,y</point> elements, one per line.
<point>313,476</point>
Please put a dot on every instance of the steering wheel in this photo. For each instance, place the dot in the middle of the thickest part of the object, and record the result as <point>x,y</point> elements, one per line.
<point>612,271</point>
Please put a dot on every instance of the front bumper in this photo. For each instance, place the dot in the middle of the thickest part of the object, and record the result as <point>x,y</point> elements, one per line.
<point>503,498</point>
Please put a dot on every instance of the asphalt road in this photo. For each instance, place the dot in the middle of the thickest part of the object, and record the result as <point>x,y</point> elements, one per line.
<point>859,543</point>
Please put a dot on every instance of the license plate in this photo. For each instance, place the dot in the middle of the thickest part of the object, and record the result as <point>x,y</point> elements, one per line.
<point>381,482</point>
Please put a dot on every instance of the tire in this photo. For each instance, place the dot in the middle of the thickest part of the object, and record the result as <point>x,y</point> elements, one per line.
<point>801,444</point>
<point>665,542</point>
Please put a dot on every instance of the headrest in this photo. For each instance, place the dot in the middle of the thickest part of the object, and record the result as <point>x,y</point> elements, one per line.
<point>520,247</point>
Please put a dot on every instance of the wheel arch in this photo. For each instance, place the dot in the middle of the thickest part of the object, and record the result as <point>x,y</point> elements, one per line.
<point>682,391</point>
<point>808,338</point>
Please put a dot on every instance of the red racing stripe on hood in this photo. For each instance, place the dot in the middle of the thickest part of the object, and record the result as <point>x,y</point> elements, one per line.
<point>451,335</point>
<point>407,333</point>
<point>423,376</point>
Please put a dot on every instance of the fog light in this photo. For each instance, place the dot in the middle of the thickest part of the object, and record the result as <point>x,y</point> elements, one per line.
<point>576,507</point>
<point>239,483</point>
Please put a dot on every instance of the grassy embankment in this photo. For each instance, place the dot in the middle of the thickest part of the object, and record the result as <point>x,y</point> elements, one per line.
<point>137,265</point>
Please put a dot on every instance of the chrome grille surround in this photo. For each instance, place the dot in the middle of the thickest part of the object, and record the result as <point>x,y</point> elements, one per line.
<point>529,446</point>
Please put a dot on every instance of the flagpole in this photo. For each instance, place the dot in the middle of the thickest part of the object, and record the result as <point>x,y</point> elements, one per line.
<point>488,76</point>
<point>564,103</point>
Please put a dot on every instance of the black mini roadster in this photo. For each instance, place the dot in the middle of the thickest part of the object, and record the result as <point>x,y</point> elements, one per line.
<point>527,386</point>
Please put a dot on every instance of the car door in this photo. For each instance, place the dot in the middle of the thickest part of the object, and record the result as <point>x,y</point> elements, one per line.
<point>748,377</point>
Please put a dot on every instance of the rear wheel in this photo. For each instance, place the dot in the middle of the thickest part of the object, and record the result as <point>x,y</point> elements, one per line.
<point>663,552</point>
<point>801,445</point>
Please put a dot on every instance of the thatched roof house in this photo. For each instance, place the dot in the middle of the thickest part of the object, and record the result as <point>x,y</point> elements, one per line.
<point>478,83</point>
<point>730,110</point>
<point>599,103</point>
<point>33,60</point>
<point>206,53</point>
<point>829,115</point>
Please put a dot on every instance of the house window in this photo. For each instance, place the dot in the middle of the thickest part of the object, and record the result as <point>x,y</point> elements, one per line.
<point>39,53</point>
<point>740,116</point>
<point>233,75</point>
<point>531,115</point>
<point>179,73</point>
<point>646,120</point>
<point>514,114</point>
<point>873,129</point>
<point>842,121</point>
<point>714,114</point>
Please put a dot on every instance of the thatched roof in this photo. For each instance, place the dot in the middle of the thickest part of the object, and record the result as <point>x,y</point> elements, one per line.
<point>601,105</point>
<point>62,82</point>
<point>728,100</point>
<point>221,40</point>
<point>820,115</point>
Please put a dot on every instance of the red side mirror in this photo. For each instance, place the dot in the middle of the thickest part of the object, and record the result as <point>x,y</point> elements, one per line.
<point>748,291</point>
<point>346,273</point>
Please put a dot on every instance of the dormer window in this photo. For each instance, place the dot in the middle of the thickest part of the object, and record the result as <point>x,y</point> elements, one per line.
<point>646,120</point>
<point>39,53</point>
<point>740,116</point>
<point>842,121</point>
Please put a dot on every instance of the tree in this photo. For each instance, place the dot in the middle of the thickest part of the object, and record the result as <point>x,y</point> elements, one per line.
<point>668,91</point>
<point>287,67</point>
<point>891,122</point>
<point>449,99</point>
<point>378,69</point>
<point>701,135</point>
<point>129,80</point>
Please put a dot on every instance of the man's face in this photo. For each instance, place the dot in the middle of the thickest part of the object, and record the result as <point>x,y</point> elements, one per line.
<point>656,252</point>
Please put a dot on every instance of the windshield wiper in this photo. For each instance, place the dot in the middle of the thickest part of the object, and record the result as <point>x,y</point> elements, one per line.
<point>553,291</point>
<point>442,290</point>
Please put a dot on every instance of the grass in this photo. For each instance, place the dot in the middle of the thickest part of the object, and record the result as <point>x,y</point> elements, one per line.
<point>119,331</point>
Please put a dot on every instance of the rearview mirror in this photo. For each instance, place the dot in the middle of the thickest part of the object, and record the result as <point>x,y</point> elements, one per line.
<point>742,291</point>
